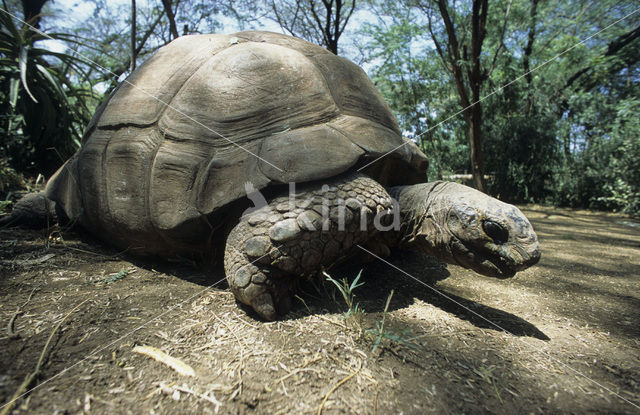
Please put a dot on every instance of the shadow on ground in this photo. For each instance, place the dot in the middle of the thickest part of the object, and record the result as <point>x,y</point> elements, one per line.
<point>380,279</point>
<point>569,346</point>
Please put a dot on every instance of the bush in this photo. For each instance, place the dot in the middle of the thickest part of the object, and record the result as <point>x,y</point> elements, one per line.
<point>43,104</point>
<point>605,174</point>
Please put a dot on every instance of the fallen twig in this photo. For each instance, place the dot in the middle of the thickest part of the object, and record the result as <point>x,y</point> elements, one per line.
<point>12,320</point>
<point>174,363</point>
<point>328,320</point>
<point>10,332</point>
<point>65,247</point>
<point>111,278</point>
<point>243,347</point>
<point>336,387</point>
<point>211,399</point>
<point>294,372</point>
<point>26,262</point>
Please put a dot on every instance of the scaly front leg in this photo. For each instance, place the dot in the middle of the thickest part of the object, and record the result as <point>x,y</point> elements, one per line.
<point>271,248</point>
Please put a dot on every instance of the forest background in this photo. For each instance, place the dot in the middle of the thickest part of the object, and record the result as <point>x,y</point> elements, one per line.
<point>536,101</point>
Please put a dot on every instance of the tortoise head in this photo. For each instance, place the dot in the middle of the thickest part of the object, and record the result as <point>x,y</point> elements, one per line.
<point>465,227</point>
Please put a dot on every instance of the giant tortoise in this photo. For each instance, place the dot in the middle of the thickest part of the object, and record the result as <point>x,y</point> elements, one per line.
<point>280,157</point>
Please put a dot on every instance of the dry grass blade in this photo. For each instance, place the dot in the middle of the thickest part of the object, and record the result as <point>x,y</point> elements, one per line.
<point>337,385</point>
<point>22,389</point>
<point>208,397</point>
<point>243,347</point>
<point>297,370</point>
<point>174,363</point>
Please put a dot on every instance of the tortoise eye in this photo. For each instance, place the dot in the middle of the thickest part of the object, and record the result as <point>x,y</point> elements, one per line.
<point>495,231</point>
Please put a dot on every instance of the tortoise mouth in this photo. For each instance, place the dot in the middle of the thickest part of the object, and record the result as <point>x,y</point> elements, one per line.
<point>496,268</point>
<point>483,262</point>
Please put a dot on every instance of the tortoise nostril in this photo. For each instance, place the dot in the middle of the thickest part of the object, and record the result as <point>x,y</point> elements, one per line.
<point>495,231</point>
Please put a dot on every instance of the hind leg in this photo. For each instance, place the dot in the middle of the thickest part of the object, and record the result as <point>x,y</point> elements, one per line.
<point>271,248</point>
<point>34,210</point>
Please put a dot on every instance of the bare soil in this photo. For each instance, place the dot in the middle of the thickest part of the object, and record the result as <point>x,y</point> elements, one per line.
<point>561,337</point>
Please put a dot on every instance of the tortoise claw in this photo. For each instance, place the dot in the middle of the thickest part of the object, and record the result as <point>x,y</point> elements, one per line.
<point>269,299</point>
<point>263,305</point>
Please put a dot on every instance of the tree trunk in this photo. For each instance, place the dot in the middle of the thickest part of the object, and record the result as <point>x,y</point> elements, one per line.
<point>173,28</point>
<point>32,10</point>
<point>531,38</point>
<point>332,25</point>
<point>478,32</point>
<point>477,155</point>
<point>474,77</point>
<point>133,35</point>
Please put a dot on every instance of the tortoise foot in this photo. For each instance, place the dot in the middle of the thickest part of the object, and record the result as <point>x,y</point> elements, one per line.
<point>291,238</point>
<point>269,295</point>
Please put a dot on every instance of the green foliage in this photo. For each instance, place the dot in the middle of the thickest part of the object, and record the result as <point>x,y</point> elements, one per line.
<point>354,316</point>
<point>380,332</point>
<point>43,104</point>
<point>411,79</point>
<point>111,278</point>
<point>10,179</point>
<point>347,291</point>
<point>106,32</point>
<point>604,173</point>
<point>566,134</point>
<point>523,154</point>
<point>520,140</point>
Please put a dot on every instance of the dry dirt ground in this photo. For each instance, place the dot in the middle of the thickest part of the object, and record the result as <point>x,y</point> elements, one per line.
<point>562,337</point>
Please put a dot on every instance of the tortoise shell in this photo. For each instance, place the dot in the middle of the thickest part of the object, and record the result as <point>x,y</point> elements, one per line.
<point>171,150</point>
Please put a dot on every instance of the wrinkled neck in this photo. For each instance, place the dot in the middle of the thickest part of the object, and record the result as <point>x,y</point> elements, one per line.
<point>422,217</point>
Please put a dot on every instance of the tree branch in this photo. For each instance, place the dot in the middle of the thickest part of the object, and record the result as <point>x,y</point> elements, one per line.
<point>453,48</point>
<point>318,21</point>
<point>173,29</point>
<point>346,20</point>
<point>132,58</point>
<point>501,43</point>
<point>288,26</point>
<point>336,24</point>
<point>612,49</point>
<point>531,38</point>
<point>327,28</point>
<point>438,47</point>
<point>454,54</point>
<point>123,68</point>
